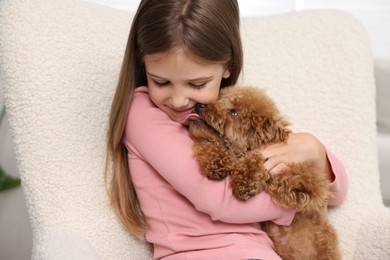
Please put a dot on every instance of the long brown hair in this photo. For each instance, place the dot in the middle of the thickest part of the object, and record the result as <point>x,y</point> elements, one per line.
<point>208,29</point>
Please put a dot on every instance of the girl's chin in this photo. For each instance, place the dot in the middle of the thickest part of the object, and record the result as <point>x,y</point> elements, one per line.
<point>182,121</point>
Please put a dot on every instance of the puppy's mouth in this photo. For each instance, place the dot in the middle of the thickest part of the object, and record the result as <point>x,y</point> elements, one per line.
<point>193,117</point>
<point>202,120</point>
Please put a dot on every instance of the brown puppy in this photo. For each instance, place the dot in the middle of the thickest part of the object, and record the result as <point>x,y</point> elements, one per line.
<point>227,138</point>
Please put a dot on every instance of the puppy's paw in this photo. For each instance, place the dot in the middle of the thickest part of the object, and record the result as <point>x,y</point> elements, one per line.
<point>216,175</point>
<point>244,189</point>
<point>244,195</point>
<point>301,189</point>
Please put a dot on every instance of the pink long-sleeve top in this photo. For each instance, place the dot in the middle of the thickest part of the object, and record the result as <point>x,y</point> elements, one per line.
<point>189,216</point>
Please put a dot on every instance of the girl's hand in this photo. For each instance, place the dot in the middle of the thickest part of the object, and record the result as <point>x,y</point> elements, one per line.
<point>300,147</point>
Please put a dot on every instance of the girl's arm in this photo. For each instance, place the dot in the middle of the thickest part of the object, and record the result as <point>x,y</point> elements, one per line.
<point>339,186</point>
<point>167,147</point>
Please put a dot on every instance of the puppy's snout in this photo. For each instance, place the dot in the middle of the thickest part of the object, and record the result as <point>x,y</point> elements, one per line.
<point>199,108</point>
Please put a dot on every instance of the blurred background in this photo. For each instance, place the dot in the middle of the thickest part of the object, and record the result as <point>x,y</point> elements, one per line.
<point>15,231</point>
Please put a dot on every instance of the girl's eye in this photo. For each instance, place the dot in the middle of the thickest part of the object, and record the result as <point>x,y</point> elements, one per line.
<point>161,84</point>
<point>198,85</point>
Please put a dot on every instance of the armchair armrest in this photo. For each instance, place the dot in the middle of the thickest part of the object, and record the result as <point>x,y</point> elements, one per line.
<point>63,245</point>
<point>373,237</point>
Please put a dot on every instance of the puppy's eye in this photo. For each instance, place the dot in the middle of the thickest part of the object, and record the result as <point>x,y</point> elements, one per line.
<point>233,112</point>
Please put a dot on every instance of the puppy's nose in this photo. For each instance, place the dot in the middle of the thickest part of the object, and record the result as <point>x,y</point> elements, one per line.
<point>199,108</point>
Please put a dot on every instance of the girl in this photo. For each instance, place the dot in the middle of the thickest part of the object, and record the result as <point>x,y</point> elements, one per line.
<point>179,53</point>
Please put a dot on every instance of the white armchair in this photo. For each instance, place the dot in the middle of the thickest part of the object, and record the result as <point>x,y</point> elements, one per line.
<point>59,63</point>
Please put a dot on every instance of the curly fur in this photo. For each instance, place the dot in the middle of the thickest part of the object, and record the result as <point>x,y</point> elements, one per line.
<point>227,139</point>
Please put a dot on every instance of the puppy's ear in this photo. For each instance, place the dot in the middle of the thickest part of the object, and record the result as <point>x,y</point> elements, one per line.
<point>272,130</point>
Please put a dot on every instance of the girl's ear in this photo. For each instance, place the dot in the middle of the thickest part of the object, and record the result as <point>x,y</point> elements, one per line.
<point>226,73</point>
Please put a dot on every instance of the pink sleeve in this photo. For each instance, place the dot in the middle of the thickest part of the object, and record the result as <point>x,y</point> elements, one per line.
<point>167,147</point>
<point>339,187</point>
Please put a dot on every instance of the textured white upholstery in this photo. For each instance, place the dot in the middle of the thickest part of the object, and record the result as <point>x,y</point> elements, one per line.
<point>59,63</point>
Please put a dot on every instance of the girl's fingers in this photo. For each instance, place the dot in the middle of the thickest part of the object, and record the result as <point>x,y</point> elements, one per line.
<point>274,165</point>
<point>271,163</point>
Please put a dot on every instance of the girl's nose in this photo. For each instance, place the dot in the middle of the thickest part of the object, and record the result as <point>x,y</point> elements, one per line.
<point>179,100</point>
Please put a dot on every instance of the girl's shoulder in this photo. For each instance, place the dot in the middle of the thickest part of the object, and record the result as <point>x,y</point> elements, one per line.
<point>140,100</point>
<point>140,92</point>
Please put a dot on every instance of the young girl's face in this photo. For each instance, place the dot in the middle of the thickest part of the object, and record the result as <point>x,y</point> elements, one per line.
<point>178,80</point>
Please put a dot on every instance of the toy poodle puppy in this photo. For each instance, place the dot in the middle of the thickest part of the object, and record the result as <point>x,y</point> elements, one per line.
<point>228,137</point>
